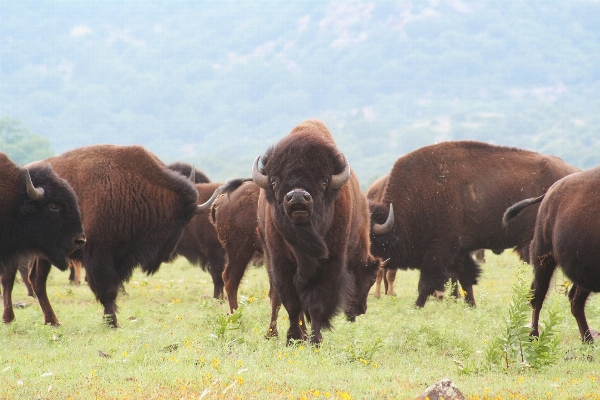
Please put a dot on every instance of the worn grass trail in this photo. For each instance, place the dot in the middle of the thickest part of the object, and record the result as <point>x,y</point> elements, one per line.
<point>176,342</point>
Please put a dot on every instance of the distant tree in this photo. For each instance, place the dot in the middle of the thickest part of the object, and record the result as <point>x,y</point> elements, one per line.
<point>20,144</point>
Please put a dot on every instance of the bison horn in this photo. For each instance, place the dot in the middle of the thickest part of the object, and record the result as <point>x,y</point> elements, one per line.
<point>206,205</point>
<point>34,193</point>
<point>339,180</point>
<point>258,178</point>
<point>192,176</point>
<point>380,229</point>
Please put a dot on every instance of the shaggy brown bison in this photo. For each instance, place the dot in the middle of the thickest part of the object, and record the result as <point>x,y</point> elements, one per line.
<point>134,212</point>
<point>566,235</point>
<point>449,199</point>
<point>39,215</point>
<point>314,223</point>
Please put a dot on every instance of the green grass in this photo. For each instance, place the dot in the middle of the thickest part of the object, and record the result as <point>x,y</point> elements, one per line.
<point>175,342</point>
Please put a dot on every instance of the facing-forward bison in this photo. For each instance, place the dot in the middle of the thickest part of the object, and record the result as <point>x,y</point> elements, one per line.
<point>134,211</point>
<point>39,215</point>
<point>314,222</point>
<point>566,235</point>
<point>449,199</point>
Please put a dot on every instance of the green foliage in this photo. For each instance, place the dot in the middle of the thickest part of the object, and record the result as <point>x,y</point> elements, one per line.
<point>514,348</point>
<point>20,144</point>
<point>228,322</point>
<point>168,345</point>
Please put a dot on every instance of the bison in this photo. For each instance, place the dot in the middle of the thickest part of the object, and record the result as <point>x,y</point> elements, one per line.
<point>314,223</point>
<point>234,218</point>
<point>449,199</point>
<point>39,215</point>
<point>134,211</point>
<point>565,235</point>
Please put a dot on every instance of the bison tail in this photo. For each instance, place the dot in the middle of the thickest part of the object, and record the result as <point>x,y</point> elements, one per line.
<point>516,208</point>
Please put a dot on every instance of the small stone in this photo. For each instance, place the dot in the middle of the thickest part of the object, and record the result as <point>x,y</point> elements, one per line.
<point>444,389</point>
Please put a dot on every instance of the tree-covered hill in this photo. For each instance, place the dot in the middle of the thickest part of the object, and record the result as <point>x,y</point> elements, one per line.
<point>216,82</point>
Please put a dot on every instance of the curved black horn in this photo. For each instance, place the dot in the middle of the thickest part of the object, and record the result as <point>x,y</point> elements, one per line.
<point>200,208</point>
<point>339,180</point>
<point>380,229</point>
<point>34,193</point>
<point>258,178</point>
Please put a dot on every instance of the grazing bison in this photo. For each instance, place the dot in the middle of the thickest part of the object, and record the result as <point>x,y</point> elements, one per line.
<point>134,212</point>
<point>314,222</point>
<point>566,235</point>
<point>39,215</point>
<point>449,199</point>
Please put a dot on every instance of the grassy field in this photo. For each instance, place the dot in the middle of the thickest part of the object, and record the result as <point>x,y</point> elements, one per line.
<point>176,342</point>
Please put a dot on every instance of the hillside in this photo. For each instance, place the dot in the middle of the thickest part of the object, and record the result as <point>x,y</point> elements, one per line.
<point>216,83</point>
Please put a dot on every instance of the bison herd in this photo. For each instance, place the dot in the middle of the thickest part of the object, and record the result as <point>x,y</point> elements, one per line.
<point>323,241</point>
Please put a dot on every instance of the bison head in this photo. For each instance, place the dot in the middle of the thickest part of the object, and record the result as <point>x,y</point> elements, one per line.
<point>50,215</point>
<point>385,242</point>
<point>362,280</point>
<point>302,177</point>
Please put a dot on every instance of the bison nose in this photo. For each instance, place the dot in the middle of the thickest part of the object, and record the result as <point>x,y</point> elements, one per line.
<point>79,242</point>
<point>298,196</point>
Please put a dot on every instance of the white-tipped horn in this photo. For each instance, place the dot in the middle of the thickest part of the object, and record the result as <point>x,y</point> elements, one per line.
<point>380,229</point>
<point>258,178</point>
<point>339,180</point>
<point>34,193</point>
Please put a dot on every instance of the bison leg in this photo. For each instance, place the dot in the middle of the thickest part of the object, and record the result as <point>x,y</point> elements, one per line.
<point>434,270</point>
<point>75,273</point>
<point>237,262</point>
<point>8,281</point>
<point>378,279</point>
<point>38,277</point>
<point>275,306</point>
<point>24,272</point>
<point>216,260</point>
<point>390,278</point>
<point>578,296</point>
<point>469,272</point>
<point>104,281</point>
<point>544,267</point>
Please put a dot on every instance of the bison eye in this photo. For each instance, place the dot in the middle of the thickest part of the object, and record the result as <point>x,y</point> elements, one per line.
<point>54,207</point>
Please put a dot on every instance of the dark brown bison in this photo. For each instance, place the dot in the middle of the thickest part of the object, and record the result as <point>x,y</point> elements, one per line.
<point>314,223</point>
<point>566,235</point>
<point>234,218</point>
<point>199,242</point>
<point>134,212</point>
<point>449,199</point>
<point>39,215</point>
